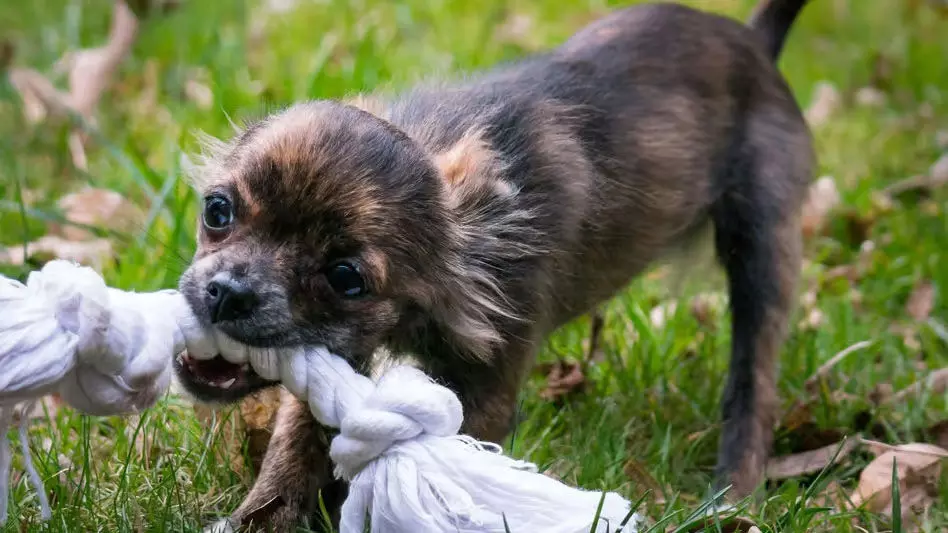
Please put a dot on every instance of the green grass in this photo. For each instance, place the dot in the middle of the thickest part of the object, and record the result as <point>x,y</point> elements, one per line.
<point>654,396</point>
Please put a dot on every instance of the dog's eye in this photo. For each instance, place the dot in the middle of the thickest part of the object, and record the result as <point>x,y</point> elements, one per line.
<point>346,280</point>
<point>218,213</point>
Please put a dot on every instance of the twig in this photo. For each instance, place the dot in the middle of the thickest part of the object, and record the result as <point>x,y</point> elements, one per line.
<point>824,370</point>
<point>936,381</point>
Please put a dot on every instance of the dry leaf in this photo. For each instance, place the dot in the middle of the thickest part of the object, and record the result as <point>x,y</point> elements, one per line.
<point>809,462</point>
<point>825,102</point>
<point>258,409</point>
<point>99,208</point>
<point>563,379</point>
<point>919,468</point>
<point>258,412</point>
<point>921,302</point>
<point>822,198</point>
<point>95,253</point>
<point>90,71</point>
<point>938,433</point>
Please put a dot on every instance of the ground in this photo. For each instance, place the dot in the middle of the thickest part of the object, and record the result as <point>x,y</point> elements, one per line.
<point>647,417</point>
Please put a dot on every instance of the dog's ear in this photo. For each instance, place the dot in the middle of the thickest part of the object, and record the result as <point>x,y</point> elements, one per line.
<point>467,161</point>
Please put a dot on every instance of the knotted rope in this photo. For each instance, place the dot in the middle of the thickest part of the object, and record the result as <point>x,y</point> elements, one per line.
<point>107,351</point>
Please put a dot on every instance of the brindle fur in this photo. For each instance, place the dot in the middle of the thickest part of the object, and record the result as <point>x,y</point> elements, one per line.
<point>490,212</point>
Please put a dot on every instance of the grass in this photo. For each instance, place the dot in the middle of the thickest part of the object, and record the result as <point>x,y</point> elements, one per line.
<point>652,399</point>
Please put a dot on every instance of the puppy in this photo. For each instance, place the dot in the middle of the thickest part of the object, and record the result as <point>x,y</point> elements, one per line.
<point>461,224</point>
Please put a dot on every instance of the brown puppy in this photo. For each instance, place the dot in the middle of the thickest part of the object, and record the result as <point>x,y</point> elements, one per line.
<point>461,224</point>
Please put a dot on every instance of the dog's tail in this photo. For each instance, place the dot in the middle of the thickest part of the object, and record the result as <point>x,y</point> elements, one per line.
<point>772,19</point>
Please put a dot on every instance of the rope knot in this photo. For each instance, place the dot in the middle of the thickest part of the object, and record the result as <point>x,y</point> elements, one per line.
<point>404,405</point>
<point>81,302</point>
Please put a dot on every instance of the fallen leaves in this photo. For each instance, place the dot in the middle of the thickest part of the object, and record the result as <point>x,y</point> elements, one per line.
<point>94,207</point>
<point>250,429</point>
<point>917,467</point>
<point>72,240</point>
<point>562,379</point>
<point>94,253</point>
<point>89,72</point>
<point>810,461</point>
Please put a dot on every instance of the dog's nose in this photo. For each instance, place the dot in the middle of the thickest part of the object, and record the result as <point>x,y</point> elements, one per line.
<point>229,299</point>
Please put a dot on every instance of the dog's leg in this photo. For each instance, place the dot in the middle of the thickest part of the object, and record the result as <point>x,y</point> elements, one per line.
<point>758,241</point>
<point>296,467</point>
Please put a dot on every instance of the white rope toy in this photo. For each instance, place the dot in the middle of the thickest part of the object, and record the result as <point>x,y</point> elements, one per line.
<point>107,351</point>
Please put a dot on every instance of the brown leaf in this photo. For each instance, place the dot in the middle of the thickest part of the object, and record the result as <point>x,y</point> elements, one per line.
<point>100,208</point>
<point>822,198</point>
<point>939,434</point>
<point>810,462</point>
<point>90,71</point>
<point>258,409</point>
<point>919,467</point>
<point>563,379</point>
<point>826,101</point>
<point>94,253</point>
<point>921,302</point>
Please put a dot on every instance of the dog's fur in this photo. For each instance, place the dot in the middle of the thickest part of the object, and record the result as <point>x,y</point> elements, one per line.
<point>485,214</point>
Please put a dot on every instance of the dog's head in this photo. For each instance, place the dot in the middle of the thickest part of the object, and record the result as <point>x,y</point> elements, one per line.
<point>323,224</point>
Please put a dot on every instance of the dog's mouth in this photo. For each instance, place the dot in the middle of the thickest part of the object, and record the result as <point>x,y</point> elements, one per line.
<point>217,379</point>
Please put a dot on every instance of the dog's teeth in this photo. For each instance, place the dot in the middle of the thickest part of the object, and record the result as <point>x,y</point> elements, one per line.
<point>180,359</point>
<point>245,367</point>
<point>227,384</point>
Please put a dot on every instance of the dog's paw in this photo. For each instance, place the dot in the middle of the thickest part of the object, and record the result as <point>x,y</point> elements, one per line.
<point>224,525</point>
